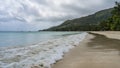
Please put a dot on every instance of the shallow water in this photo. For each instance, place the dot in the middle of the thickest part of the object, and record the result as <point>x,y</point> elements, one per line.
<point>40,55</point>
<point>28,38</point>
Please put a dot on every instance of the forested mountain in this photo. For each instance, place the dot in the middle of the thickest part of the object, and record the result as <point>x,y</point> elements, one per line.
<point>87,23</point>
<point>113,22</point>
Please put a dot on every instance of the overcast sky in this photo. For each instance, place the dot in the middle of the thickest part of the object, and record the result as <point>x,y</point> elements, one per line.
<point>30,15</point>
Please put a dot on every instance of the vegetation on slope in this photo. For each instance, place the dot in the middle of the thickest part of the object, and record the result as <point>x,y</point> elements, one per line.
<point>108,19</point>
<point>112,23</point>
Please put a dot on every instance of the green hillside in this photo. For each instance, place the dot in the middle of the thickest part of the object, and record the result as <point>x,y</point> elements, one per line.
<point>86,23</point>
<point>113,22</point>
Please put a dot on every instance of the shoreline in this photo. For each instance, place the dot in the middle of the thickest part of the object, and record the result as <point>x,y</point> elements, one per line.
<point>97,50</point>
<point>21,39</point>
<point>39,55</point>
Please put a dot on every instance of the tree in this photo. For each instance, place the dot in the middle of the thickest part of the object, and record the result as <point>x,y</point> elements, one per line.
<point>112,23</point>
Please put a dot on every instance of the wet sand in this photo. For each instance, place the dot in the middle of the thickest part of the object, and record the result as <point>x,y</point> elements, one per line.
<point>97,50</point>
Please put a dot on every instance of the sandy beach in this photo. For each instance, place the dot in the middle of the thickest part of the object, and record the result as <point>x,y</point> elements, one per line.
<point>97,50</point>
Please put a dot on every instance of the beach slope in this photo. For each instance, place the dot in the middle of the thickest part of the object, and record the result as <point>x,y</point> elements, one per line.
<point>97,50</point>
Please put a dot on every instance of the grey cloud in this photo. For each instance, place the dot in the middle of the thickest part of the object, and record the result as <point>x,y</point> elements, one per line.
<point>55,19</point>
<point>9,19</point>
<point>76,9</point>
<point>28,10</point>
<point>49,12</point>
<point>43,2</point>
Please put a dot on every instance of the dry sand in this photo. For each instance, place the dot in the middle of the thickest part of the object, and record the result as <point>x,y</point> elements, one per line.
<point>96,51</point>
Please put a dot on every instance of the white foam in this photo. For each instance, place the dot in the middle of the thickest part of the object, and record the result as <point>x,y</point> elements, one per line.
<point>41,55</point>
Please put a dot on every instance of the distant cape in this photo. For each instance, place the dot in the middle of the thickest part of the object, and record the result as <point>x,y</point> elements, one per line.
<point>87,23</point>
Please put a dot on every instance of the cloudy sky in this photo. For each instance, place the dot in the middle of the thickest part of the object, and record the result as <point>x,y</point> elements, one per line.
<point>30,15</point>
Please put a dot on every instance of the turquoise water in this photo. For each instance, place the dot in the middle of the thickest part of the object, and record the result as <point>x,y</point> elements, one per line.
<point>28,38</point>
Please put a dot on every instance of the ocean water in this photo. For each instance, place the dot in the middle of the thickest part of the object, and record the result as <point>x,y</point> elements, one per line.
<point>39,55</point>
<point>28,38</point>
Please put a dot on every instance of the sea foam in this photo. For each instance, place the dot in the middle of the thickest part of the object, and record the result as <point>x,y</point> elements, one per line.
<point>41,55</point>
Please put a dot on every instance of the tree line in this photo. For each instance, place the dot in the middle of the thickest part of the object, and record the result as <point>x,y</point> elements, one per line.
<point>112,23</point>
